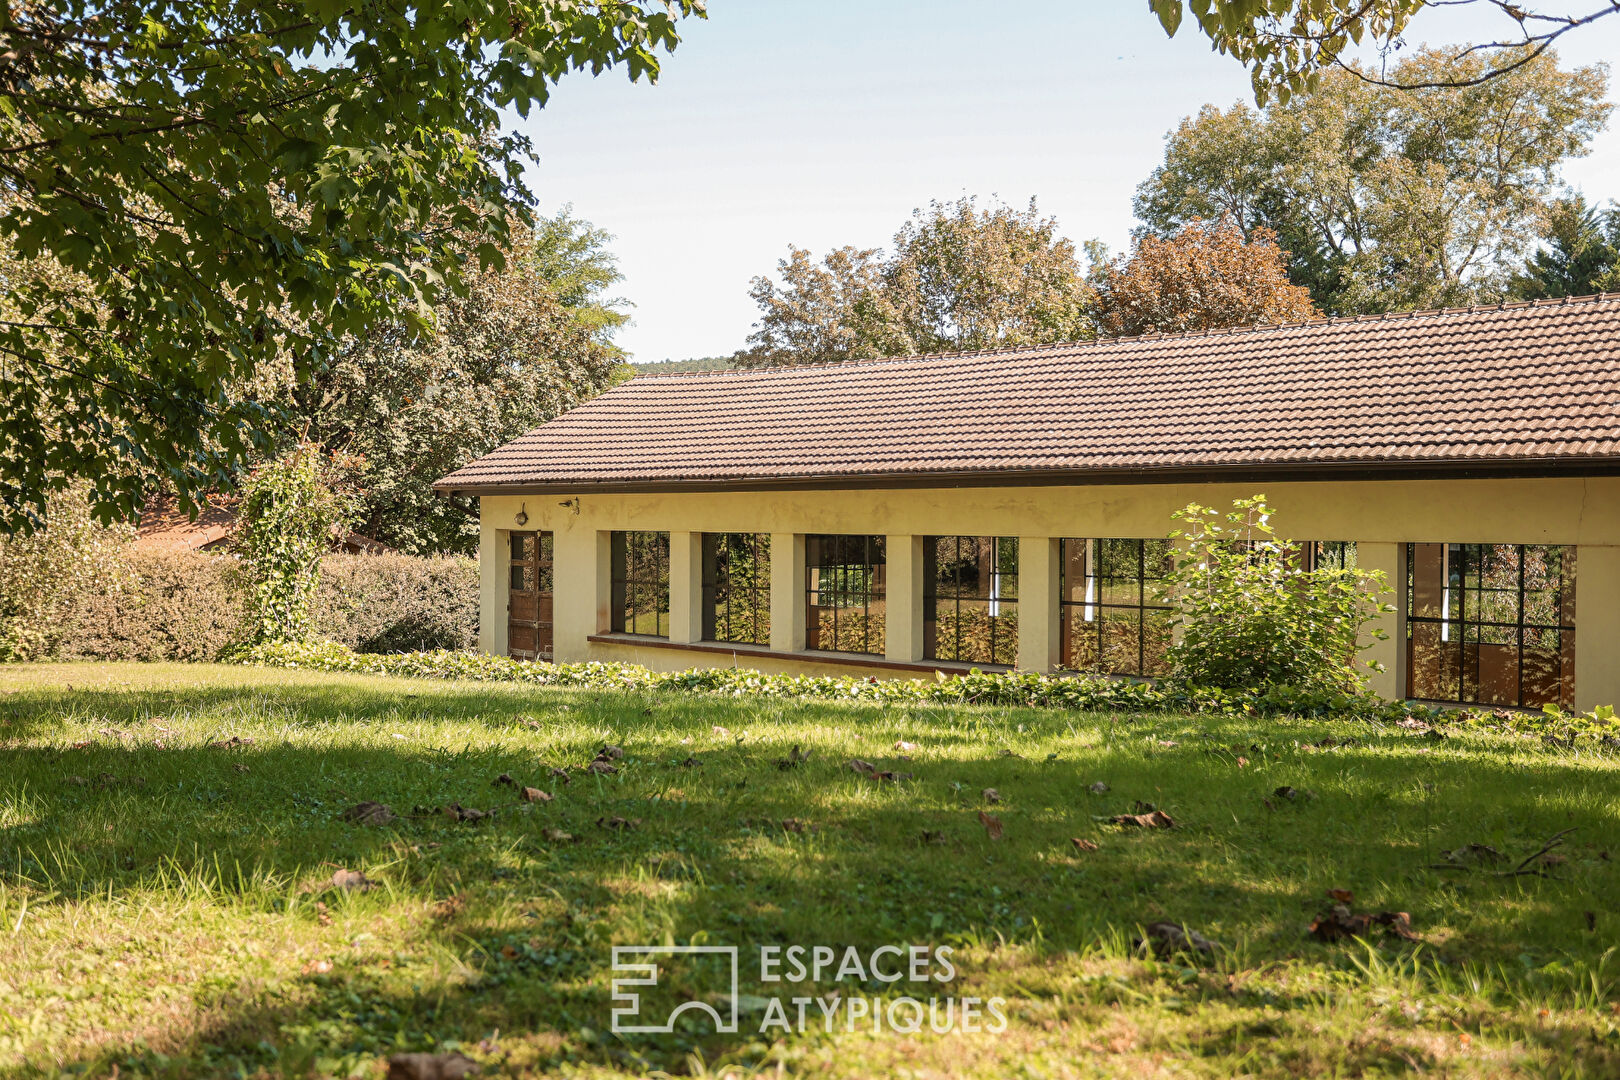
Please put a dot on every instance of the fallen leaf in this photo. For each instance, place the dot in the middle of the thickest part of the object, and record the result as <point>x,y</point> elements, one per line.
<point>991,795</point>
<point>1082,844</point>
<point>457,812</point>
<point>1155,819</point>
<point>857,765</point>
<point>235,742</point>
<point>1143,807</point>
<point>795,758</point>
<point>1099,788</point>
<point>890,777</point>
<point>560,774</point>
<point>1168,744</point>
<point>1341,895</point>
<point>317,967</point>
<point>1008,753</point>
<point>933,836</point>
<point>352,881</point>
<point>1339,922</point>
<point>1473,855</point>
<point>1167,938</point>
<point>239,767</point>
<point>322,916</point>
<point>451,1066</point>
<point>905,746</point>
<point>1242,761</point>
<point>722,732</point>
<point>622,824</point>
<point>609,753</point>
<point>449,907</point>
<point>503,780</point>
<point>368,813</point>
<point>991,823</point>
<point>557,836</point>
<point>795,825</point>
<point>534,794</point>
<point>602,768</point>
<point>690,762</point>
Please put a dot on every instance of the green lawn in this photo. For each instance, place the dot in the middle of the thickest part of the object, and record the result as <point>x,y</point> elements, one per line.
<point>167,904</point>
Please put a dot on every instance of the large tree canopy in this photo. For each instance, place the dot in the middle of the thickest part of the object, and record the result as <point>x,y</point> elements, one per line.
<point>1580,253</point>
<point>959,277</point>
<point>1387,198</point>
<point>1288,44</point>
<point>189,190</point>
<point>1205,277</point>
<point>511,354</point>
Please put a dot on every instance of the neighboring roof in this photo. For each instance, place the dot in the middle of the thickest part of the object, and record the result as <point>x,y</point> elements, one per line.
<point>165,527</point>
<point>1521,386</point>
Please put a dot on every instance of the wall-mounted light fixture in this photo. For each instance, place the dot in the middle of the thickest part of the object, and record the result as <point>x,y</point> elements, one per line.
<point>522,514</point>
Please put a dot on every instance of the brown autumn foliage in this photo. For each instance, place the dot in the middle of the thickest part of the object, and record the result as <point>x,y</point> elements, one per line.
<point>1205,277</point>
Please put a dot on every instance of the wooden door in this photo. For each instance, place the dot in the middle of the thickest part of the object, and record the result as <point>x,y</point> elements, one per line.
<point>528,605</point>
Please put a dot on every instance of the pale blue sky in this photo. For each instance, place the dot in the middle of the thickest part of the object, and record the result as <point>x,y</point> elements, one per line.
<point>823,124</point>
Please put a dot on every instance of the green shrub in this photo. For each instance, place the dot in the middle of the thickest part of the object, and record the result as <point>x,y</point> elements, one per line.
<point>44,576</point>
<point>1252,617</point>
<point>180,605</point>
<point>291,509</point>
<point>188,605</point>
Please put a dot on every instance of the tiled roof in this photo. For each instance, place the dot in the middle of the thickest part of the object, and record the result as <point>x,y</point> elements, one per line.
<point>1516,385</point>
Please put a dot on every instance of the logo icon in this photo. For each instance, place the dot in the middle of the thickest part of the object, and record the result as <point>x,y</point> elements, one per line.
<point>640,964</point>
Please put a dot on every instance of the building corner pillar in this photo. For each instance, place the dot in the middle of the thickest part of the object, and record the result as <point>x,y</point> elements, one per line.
<point>787,592</point>
<point>903,599</point>
<point>1038,610</point>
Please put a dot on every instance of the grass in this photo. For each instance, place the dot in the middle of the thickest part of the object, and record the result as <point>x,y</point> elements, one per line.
<point>167,906</point>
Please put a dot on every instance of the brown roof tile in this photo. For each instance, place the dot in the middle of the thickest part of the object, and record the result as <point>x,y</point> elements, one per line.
<point>1516,384</point>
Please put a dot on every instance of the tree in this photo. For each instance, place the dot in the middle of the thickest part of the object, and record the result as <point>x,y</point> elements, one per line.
<point>417,404</point>
<point>958,278</point>
<point>1205,277</point>
<point>1387,199</point>
<point>1581,254</point>
<point>224,184</point>
<point>572,257</point>
<point>1289,44</point>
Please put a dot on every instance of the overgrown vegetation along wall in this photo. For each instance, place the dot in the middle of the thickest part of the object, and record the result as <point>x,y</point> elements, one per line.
<point>189,606</point>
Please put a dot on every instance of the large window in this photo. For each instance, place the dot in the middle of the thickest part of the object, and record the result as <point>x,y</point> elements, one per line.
<point>844,586</point>
<point>1113,620</point>
<point>1491,624</point>
<point>641,583</point>
<point>970,599</point>
<point>737,587</point>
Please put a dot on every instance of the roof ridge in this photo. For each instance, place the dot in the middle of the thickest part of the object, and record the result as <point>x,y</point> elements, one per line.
<point>1227,331</point>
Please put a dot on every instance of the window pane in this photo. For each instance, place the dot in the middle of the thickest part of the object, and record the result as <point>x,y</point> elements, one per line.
<point>844,587</point>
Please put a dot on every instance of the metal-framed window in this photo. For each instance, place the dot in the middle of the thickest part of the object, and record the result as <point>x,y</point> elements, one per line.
<point>1491,624</point>
<point>1112,619</point>
<point>641,583</point>
<point>737,587</point>
<point>970,599</point>
<point>845,578</point>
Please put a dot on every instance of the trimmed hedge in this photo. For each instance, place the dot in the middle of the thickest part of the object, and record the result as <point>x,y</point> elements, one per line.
<point>189,606</point>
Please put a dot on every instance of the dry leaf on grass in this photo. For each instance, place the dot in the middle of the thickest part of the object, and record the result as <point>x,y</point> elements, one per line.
<point>368,813</point>
<point>795,758</point>
<point>557,836</point>
<point>991,795</point>
<point>560,775</point>
<point>1339,922</point>
<point>602,768</point>
<point>1081,844</point>
<point>534,794</point>
<point>235,742</point>
<point>992,825</point>
<point>609,753</point>
<point>317,967</point>
<point>933,836</point>
<point>1167,939</point>
<point>1099,788</point>
<point>857,765</point>
<point>451,1066</point>
<point>890,777</point>
<point>622,824</point>
<point>1154,819</point>
<point>352,881</point>
<point>457,812</point>
<point>796,826</point>
<point>449,907</point>
<point>904,746</point>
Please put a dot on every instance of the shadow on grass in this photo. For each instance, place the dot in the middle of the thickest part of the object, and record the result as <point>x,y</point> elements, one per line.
<point>875,864</point>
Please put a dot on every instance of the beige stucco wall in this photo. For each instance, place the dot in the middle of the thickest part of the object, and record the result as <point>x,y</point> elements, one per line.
<point>1379,515</point>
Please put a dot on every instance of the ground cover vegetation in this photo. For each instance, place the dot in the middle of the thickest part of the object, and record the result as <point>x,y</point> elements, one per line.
<point>211,870</point>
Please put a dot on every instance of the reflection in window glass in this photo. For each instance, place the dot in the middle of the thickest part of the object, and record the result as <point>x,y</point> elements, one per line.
<point>970,599</point>
<point>641,583</point>
<point>737,588</point>
<point>1491,624</point>
<point>845,579</point>
<point>1112,618</point>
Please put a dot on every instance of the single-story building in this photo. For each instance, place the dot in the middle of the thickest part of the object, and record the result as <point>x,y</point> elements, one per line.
<point>1010,507</point>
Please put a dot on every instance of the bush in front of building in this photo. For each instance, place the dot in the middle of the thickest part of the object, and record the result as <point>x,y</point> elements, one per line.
<point>1253,615</point>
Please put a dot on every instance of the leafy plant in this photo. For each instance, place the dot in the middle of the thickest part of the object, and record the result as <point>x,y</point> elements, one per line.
<point>1252,615</point>
<point>291,509</point>
<point>43,574</point>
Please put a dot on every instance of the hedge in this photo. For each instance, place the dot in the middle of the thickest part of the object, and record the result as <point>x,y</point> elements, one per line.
<point>188,606</point>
